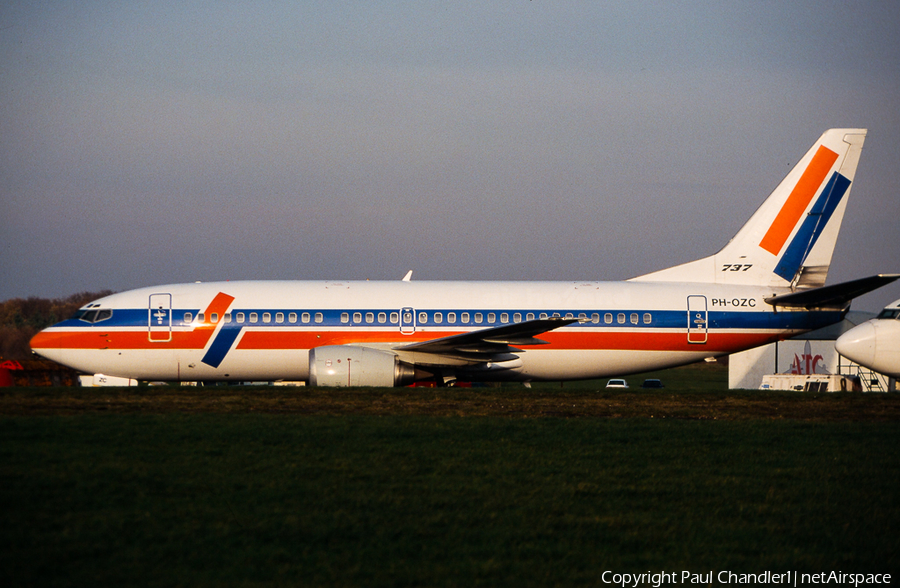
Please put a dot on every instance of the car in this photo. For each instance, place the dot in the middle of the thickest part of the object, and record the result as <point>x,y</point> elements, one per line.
<point>617,384</point>
<point>652,383</point>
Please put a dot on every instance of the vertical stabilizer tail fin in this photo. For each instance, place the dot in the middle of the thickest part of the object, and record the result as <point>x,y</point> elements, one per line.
<point>789,240</point>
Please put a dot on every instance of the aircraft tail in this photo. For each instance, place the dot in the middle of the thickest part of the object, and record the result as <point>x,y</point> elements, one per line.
<point>789,240</point>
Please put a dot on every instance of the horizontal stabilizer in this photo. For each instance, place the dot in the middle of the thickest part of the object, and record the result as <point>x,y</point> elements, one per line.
<point>836,296</point>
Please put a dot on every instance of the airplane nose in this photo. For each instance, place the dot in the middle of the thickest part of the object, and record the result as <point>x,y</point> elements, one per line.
<point>858,343</point>
<point>47,344</point>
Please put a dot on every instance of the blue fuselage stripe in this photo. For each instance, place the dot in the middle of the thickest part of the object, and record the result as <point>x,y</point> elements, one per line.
<point>660,319</point>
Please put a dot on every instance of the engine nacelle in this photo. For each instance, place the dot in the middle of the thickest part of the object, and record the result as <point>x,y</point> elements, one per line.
<point>346,365</point>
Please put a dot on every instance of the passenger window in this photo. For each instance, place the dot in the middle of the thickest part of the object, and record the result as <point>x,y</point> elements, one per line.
<point>634,318</point>
<point>607,318</point>
<point>423,318</point>
<point>279,317</point>
<point>395,318</point>
<point>201,317</point>
<point>382,317</point>
<point>569,315</point>
<point>504,317</point>
<point>227,317</point>
<point>438,317</point>
<point>492,318</point>
<point>240,317</point>
<point>464,317</point>
<point>529,316</point>
<point>319,317</point>
<point>254,317</point>
<point>595,318</point>
<point>582,316</point>
<point>267,317</point>
<point>357,317</point>
<point>188,317</point>
<point>370,317</point>
<point>478,317</point>
<point>647,318</point>
<point>620,318</point>
<point>543,315</point>
<point>345,317</point>
<point>304,317</point>
<point>451,317</point>
<point>517,317</point>
<point>214,318</point>
<point>292,317</point>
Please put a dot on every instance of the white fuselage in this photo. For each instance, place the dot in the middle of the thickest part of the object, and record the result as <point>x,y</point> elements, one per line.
<point>264,330</point>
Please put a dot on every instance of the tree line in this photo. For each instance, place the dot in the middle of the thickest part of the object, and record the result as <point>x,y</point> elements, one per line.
<point>22,318</point>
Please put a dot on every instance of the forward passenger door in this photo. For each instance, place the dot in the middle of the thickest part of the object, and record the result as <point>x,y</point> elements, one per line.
<point>159,318</point>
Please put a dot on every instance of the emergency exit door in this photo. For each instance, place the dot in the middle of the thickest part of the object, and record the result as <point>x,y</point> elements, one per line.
<point>407,321</point>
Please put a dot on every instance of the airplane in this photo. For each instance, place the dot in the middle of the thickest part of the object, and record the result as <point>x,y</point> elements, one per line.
<point>765,285</point>
<point>875,344</point>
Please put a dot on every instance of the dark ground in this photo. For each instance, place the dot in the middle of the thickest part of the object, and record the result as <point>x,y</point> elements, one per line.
<point>515,402</point>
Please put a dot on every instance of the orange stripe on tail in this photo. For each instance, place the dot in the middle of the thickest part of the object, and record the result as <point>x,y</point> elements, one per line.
<point>799,199</point>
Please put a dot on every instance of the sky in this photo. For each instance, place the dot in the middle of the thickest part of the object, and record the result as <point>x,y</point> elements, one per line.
<point>149,143</point>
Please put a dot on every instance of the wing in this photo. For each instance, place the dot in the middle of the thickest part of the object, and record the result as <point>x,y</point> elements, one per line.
<point>495,344</point>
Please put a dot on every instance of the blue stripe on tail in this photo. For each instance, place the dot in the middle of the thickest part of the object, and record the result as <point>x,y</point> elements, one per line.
<point>812,227</point>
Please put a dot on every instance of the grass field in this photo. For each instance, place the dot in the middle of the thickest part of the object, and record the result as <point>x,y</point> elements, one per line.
<point>207,492</point>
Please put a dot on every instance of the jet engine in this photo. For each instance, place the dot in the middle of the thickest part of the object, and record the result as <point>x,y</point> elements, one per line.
<point>347,365</point>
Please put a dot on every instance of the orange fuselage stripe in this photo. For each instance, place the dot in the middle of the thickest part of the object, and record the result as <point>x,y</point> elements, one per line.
<point>290,340</point>
<point>639,341</point>
<point>799,199</point>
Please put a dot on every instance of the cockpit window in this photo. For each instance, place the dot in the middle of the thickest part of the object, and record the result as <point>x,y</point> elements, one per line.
<point>93,315</point>
<point>889,313</point>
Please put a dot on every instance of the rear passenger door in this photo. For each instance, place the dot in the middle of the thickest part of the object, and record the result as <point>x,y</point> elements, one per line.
<point>697,317</point>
